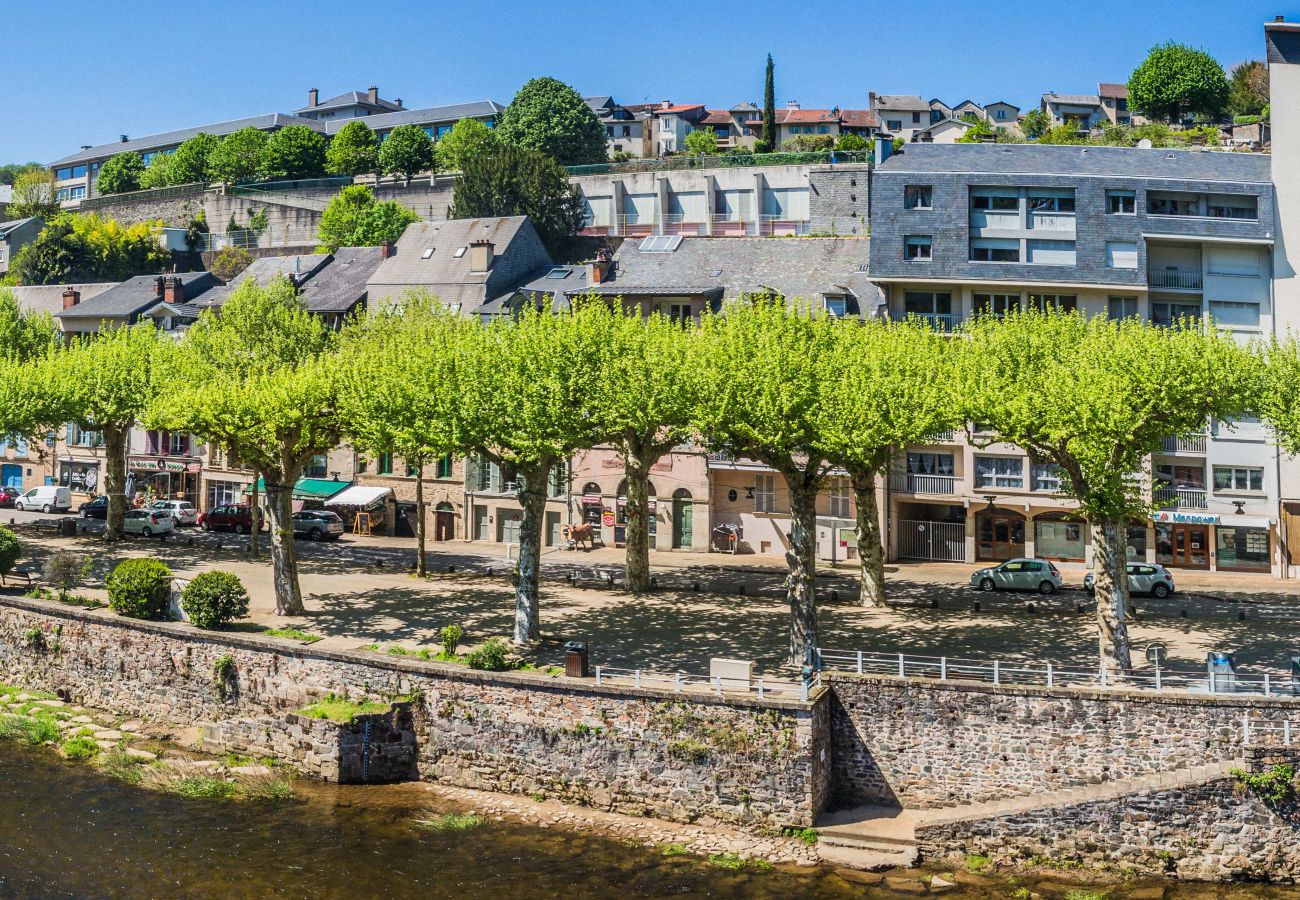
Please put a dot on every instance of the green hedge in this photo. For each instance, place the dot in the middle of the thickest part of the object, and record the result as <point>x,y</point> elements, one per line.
<point>139,589</point>
<point>214,599</point>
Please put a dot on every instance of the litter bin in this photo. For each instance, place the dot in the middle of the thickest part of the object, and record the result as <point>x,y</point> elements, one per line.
<point>575,659</point>
<point>1222,670</point>
<point>1295,675</point>
<point>68,527</point>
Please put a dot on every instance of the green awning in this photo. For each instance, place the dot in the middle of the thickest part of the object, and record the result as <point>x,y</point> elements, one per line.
<point>311,488</point>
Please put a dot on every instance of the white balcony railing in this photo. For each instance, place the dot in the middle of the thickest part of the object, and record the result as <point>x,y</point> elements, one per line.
<point>1181,498</point>
<point>908,483</point>
<point>1176,279</point>
<point>1191,443</point>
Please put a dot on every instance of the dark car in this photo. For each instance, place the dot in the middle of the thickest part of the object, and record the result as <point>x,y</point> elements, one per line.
<point>7,496</point>
<point>318,524</point>
<point>238,519</point>
<point>94,509</point>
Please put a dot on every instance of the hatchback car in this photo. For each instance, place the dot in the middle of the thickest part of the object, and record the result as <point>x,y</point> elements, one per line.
<point>238,519</point>
<point>96,508</point>
<point>7,496</point>
<point>182,511</point>
<point>1019,575</point>
<point>1155,580</point>
<point>147,522</point>
<point>318,524</point>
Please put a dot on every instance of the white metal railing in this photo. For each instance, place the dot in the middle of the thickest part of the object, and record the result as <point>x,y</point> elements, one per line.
<point>1165,278</point>
<point>942,437</point>
<point>270,237</point>
<point>1266,733</point>
<point>1038,674</point>
<point>1191,443</point>
<point>909,483</point>
<point>712,684</point>
<point>1181,498</point>
<point>937,321</point>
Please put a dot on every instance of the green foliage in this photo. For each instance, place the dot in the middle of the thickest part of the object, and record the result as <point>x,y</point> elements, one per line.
<point>490,656</point>
<point>1175,79</point>
<point>767,137</point>
<point>34,195</point>
<point>34,730</point>
<point>898,143</point>
<point>1083,894</point>
<point>809,143</point>
<point>121,173</point>
<point>551,118</point>
<point>9,172</point>
<point>339,221</point>
<point>513,182</point>
<point>123,766</point>
<point>334,708</point>
<point>702,142</point>
<point>213,599</point>
<point>223,670</point>
<point>673,850</point>
<point>83,247</point>
<point>978,863</point>
<point>66,571</point>
<point>24,335</point>
<point>196,230</point>
<point>139,589</point>
<point>238,157</point>
<point>451,822</point>
<point>158,173</point>
<point>1248,88</point>
<point>981,130</point>
<point>295,151</point>
<point>201,787</point>
<point>1035,123</point>
<point>80,748</point>
<point>1275,785</point>
<point>851,142</point>
<point>383,222</point>
<point>189,164</point>
<point>451,635</point>
<point>293,634</point>
<point>807,835</point>
<point>265,788</point>
<point>467,139</point>
<point>407,151</point>
<point>353,151</point>
<point>229,262</point>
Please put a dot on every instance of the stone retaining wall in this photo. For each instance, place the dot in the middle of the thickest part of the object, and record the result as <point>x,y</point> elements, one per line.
<point>922,743</point>
<point>682,757</point>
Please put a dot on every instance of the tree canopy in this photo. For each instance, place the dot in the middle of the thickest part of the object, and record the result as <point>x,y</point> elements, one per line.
<point>25,335</point>
<point>467,139</point>
<point>81,247</point>
<point>702,142</point>
<point>238,157</point>
<point>295,151</point>
<point>121,173</point>
<point>1035,123</point>
<point>1248,88</point>
<point>1176,79</point>
<point>189,164</point>
<point>766,142</point>
<point>35,194</point>
<point>550,117</point>
<point>353,151</point>
<point>355,219</point>
<point>9,172</point>
<point>407,151</point>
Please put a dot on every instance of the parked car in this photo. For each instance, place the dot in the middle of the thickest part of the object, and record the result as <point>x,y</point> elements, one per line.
<point>47,499</point>
<point>147,522</point>
<point>8,495</point>
<point>1143,578</point>
<point>181,511</point>
<point>318,524</point>
<point>96,508</point>
<point>1019,575</point>
<point>236,518</point>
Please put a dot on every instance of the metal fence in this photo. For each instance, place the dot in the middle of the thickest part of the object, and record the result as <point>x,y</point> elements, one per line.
<point>678,682</point>
<point>162,193</point>
<point>996,672</point>
<point>725,161</point>
<point>250,240</point>
<point>1266,733</point>
<point>934,541</point>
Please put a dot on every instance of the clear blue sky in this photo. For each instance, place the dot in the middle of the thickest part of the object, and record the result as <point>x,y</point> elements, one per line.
<point>84,72</point>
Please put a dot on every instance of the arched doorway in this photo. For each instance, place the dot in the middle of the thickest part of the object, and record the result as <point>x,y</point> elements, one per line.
<point>444,522</point>
<point>683,519</point>
<point>1059,536</point>
<point>592,506</point>
<point>999,534</point>
<point>620,527</point>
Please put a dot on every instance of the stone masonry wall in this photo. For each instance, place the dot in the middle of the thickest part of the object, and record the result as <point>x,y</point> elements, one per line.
<point>838,200</point>
<point>682,757</point>
<point>921,743</point>
<point>1212,831</point>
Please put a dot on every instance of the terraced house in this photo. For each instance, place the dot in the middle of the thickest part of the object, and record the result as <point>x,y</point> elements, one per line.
<point>984,229</point>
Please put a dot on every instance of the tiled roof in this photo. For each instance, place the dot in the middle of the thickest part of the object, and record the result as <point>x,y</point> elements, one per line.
<point>1108,89</point>
<point>678,108</point>
<point>806,116</point>
<point>172,138</point>
<point>135,294</point>
<point>859,118</point>
<point>716,117</point>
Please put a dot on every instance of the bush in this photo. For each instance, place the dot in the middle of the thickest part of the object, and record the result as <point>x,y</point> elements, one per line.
<point>10,550</point>
<point>451,635</point>
<point>66,571</point>
<point>214,599</point>
<point>230,261</point>
<point>139,589</point>
<point>490,657</point>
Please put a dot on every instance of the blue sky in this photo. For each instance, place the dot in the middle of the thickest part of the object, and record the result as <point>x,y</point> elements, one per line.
<point>84,72</point>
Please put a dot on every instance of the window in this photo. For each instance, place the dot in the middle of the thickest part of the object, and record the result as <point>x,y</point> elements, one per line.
<point>933,306</point>
<point>994,304</point>
<point>410,469</point>
<point>1121,254</point>
<point>929,464</point>
<point>1121,203</point>
<point>917,247</point>
<point>1169,204</point>
<point>765,493</point>
<point>839,496</point>
<point>81,437</point>
<point>1238,478</point>
<point>918,196</point>
<point>1046,477</point>
<point>1235,313</point>
<point>1121,307</point>
<point>557,482</point>
<point>1190,478</point>
<point>178,444</point>
<point>836,307</point>
<point>1166,313</point>
<point>1242,548</point>
<point>317,467</point>
<point>994,203</point>
<point>442,468</point>
<point>894,124</point>
<point>385,464</point>
<point>1051,202</point>
<point>1050,253</point>
<point>995,250</point>
<point>1231,206</point>
<point>1063,302</point>
<point>71,193</point>
<point>1241,261</point>
<point>999,471</point>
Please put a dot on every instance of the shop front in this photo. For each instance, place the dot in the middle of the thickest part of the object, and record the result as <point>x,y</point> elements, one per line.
<point>151,478</point>
<point>1233,543</point>
<point>82,476</point>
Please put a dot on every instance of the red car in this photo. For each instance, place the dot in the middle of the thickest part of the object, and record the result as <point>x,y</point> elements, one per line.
<point>238,519</point>
<point>7,497</point>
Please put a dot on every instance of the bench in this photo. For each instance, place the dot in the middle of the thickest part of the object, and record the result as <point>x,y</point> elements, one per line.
<point>20,572</point>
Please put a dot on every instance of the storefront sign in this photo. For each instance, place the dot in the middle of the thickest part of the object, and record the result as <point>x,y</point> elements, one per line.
<point>607,518</point>
<point>156,464</point>
<point>1185,518</point>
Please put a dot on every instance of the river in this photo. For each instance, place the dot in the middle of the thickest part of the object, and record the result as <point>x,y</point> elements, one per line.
<point>68,831</point>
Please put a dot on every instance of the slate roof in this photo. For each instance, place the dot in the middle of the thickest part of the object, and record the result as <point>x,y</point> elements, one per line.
<point>479,109</point>
<point>171,138</point>
<point>554,283</point>
<point>351,98</point>
<point>900,102</point>
<point>264,270</point>
<point>6,227</point>
<point>341,284</point>
<point>745,106</point>
<point>1041,159</point>
<point>136,294</point>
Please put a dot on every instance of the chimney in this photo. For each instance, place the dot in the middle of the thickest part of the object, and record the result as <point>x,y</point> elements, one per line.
<point>313,97</point>
<point>124,138</point>
<point>792,104</point>
<point>397,101</point>
<point>373,94</point>
<point>871,99</point>
<point>664,104</point>
<point>598,269</point>
<point>71,298</point>
<point>385,249</point>
<point>480,255</point>
<point>174,291</point>
<point>158,287</point>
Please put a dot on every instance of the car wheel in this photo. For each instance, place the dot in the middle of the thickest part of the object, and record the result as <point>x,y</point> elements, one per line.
<point>1046,587</point>
<point>145,531</point>
<point>19,507</point>
<point>206,527</point>
<point>317,535</point>
<point>986,584</point>
<point>239,529</point>
<point>47,509</point>
<point>1160,591</point>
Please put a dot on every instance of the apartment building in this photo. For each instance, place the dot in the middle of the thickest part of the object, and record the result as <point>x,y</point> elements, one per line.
<point>626,127</point>
<point>983,229</point>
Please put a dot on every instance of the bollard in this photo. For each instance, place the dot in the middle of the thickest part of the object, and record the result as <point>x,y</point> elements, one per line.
<point>740,589</point>
<point>1182,613</point>
<point>654,582</point>
<point>695,586</point>
<point>977,606</point>
<point>934,603</point>
<point>835,596</point>
<point>451,569</point>
<point>489,571</point>
<point>609,579</point>
<point>1078,607</point>
<point>379,563</point>
<point>1029,607</point>
<point>569,576</point>
<point>1241,615</point>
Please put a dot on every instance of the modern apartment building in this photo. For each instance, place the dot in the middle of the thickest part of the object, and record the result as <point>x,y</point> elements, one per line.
<point>1159,234</point>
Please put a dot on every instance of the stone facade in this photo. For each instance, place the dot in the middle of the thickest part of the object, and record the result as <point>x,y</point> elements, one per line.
<point>838,200</point>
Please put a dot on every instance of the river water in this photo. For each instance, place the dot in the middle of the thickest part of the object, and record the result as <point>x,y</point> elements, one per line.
<point>68,831</point>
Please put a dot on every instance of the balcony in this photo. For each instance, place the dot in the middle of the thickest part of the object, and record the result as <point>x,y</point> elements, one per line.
<point>1174,279</point>
<point>1181,498</point>
<point>936,485</point>
<point>942,437</point>
<point>1052,221</point>
<point>1008,220</point>
<point>937,321</point>
<point>1191,443</point>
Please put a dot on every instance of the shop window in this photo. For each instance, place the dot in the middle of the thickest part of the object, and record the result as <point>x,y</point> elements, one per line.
<point>1058,539</point>
<point>1242,548</point>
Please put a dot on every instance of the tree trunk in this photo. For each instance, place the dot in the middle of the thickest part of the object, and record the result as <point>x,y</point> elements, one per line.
<point>532,497</point>
<point>115,437</point>
<point>255,523</point>
<point>284,554</point>
<point>638,530</point>
<point>1112,596</point>
<point>871,550</point>
<point>420,567</point>
<point>800,586</point>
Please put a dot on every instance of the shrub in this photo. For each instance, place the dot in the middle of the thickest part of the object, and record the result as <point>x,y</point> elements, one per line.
<point>230,261</point>
<point>139,589</point>
<point>490,657</point>
<point>66,571</point>
<point>451,635</point>
<point>80,748</point>
<point>214,599</point>
<point>10,550</point>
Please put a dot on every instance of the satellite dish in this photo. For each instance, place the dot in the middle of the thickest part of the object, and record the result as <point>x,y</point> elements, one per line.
<point>1144,144</point>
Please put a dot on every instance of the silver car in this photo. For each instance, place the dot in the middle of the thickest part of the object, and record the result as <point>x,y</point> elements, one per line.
<point>1143,578</point>
<point>1019,575</point>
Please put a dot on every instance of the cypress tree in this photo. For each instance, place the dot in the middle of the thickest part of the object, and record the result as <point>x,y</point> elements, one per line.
<point>768,140</point>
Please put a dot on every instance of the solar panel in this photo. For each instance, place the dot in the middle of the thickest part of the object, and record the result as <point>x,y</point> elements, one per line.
<point>661,243</point>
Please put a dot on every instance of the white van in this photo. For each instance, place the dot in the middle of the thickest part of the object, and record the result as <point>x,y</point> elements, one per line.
<point>47,499</point>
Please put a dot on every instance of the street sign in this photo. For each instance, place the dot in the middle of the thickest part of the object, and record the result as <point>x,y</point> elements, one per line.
<point>607,518</point>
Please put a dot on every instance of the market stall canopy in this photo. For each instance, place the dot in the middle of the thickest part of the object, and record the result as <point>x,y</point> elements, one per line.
<point>361,495</point>
<point>311,488</point>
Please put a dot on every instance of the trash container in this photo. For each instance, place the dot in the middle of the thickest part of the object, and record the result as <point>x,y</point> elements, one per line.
<point>575,659</point>
<point>1295,675</point>
<point>1222,669</point>
<point>68,527</point>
